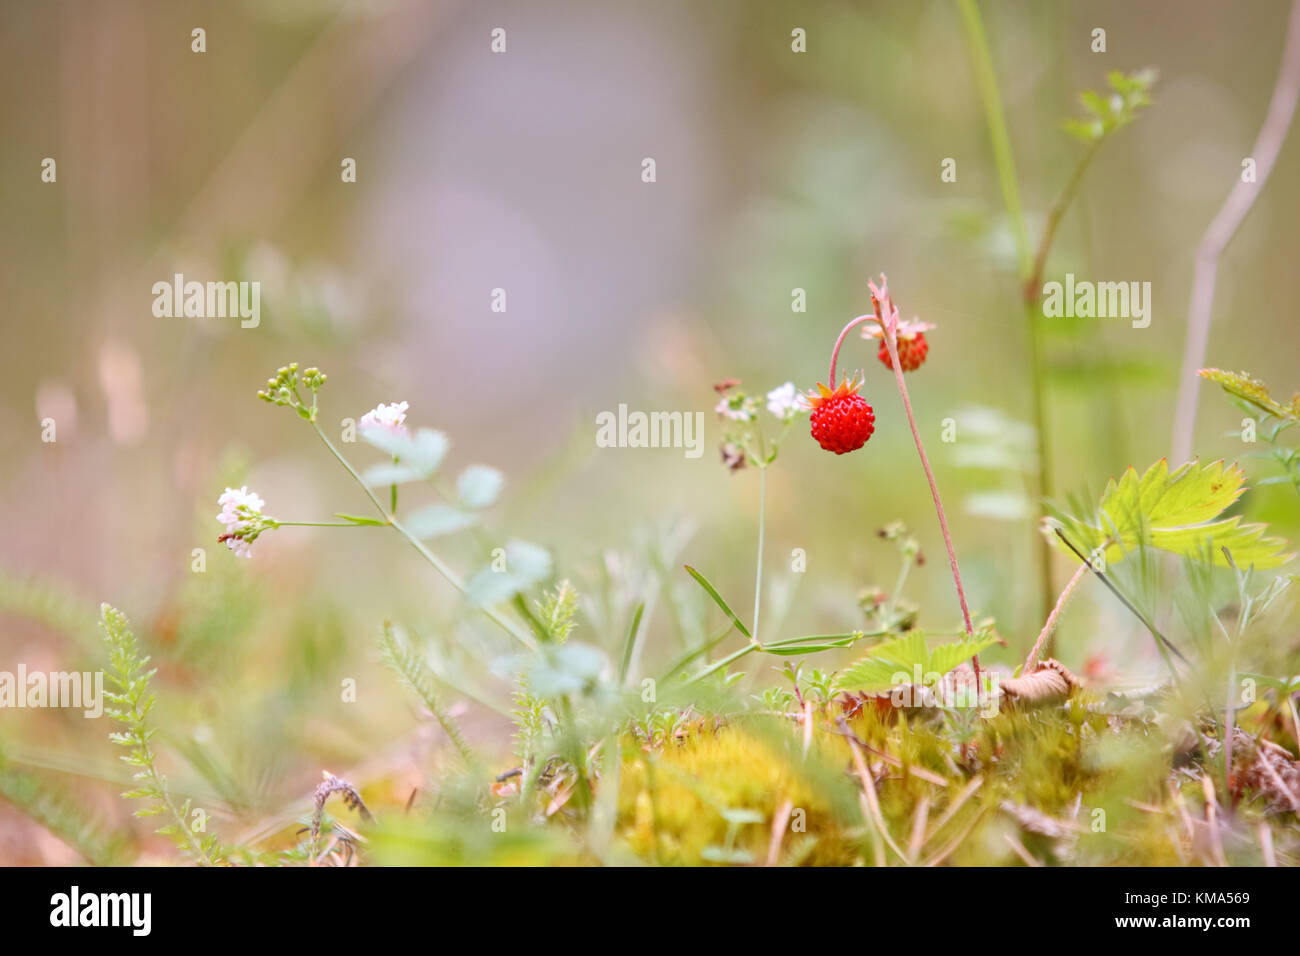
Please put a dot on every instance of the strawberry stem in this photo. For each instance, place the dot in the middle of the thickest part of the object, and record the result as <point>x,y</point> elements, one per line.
<point>835,352</point>
<point>887,316</point>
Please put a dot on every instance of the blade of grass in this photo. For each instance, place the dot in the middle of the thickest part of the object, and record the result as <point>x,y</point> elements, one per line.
<point>630,643</point>
<point>712,592</point>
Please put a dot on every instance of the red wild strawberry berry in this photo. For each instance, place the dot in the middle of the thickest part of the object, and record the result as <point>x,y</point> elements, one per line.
<point>841,420</point>
<point>912,350</point>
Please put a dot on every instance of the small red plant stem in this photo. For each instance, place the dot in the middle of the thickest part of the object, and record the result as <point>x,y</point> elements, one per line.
<point>1050,626</point>
<point>892,344</point>
<point>835,352</point>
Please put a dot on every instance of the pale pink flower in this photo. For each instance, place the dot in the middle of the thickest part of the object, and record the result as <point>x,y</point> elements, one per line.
<point>906,330</point>
<point>241,513</point>
<point>391,418</point>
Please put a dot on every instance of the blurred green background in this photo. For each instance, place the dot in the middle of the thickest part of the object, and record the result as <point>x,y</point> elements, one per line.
<point>522,171</point>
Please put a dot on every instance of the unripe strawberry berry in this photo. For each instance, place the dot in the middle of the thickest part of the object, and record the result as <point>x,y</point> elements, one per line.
<point>912,350</point>
<point>841,420</point>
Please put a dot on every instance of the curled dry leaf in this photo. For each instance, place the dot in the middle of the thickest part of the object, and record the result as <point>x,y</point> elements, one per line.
<point>1047,682</point>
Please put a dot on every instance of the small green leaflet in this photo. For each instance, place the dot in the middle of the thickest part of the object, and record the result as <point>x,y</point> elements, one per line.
<point>417,456</point>
<point>1250,389</point>
<point>571,668</point>
<point>436,520</point>
<point>907,660</point>
<point>479,485</point>
<point>811,644</point>
<point>361,519</point>
<point>1175,512</point>
<point>1109,111</point>
<point>522,566</point>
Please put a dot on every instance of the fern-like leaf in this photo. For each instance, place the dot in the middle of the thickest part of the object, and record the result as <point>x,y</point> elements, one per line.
<point>415,676</point>
<point>132,703</point>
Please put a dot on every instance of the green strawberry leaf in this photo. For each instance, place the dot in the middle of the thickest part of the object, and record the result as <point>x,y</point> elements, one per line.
<point>906,660</point>
<point>1250,389</point>
<point>1174,512</point>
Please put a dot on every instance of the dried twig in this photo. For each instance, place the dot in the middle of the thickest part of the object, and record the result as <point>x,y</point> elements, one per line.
<point>780,820</point>
<point>1176,796</point>
<point>1035,821</point>
<point>1281,110</point>
<point>1020,850</point>
<point>919,820</point>
<point>1052,618</point>
<point>1212,819</point>
<point>957,803</point>
<point>871,803</point>
<point>1266,844</point>
<point>956,841</point>
<point>909,770</point>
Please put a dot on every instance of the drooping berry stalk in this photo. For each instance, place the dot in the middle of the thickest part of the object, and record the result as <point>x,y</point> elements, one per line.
<point>887,316</point>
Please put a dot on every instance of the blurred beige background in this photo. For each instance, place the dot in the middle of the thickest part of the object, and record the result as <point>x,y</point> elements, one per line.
<point>522,171</point>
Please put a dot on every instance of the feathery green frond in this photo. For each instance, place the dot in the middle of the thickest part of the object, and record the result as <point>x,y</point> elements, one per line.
<point>415,676</point>
<point>131,705</point>
<point>55,809</point>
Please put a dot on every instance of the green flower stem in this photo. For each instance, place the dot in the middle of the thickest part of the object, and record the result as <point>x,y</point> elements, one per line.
<point>758,564</point>
<point>392,493</point>
<point>350,470</point>
<point>451,576</point>
<point>694,652</point>
<point>318,524</point>
<point>454,580</point>
<point>996,121</point>
<point>754,644</point>
<point>1034,283</point>
<point>1031,265</point>
<point>904,568</point>
<point>718,665</point>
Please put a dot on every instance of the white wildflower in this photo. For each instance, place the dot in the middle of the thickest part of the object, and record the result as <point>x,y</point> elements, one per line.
<point>785,402</point>
<point>390,418</point>
<point>241,513</point>
<point>736,407</point>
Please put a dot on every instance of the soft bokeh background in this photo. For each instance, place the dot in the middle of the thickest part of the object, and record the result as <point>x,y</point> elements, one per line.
<point>521,171</point>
